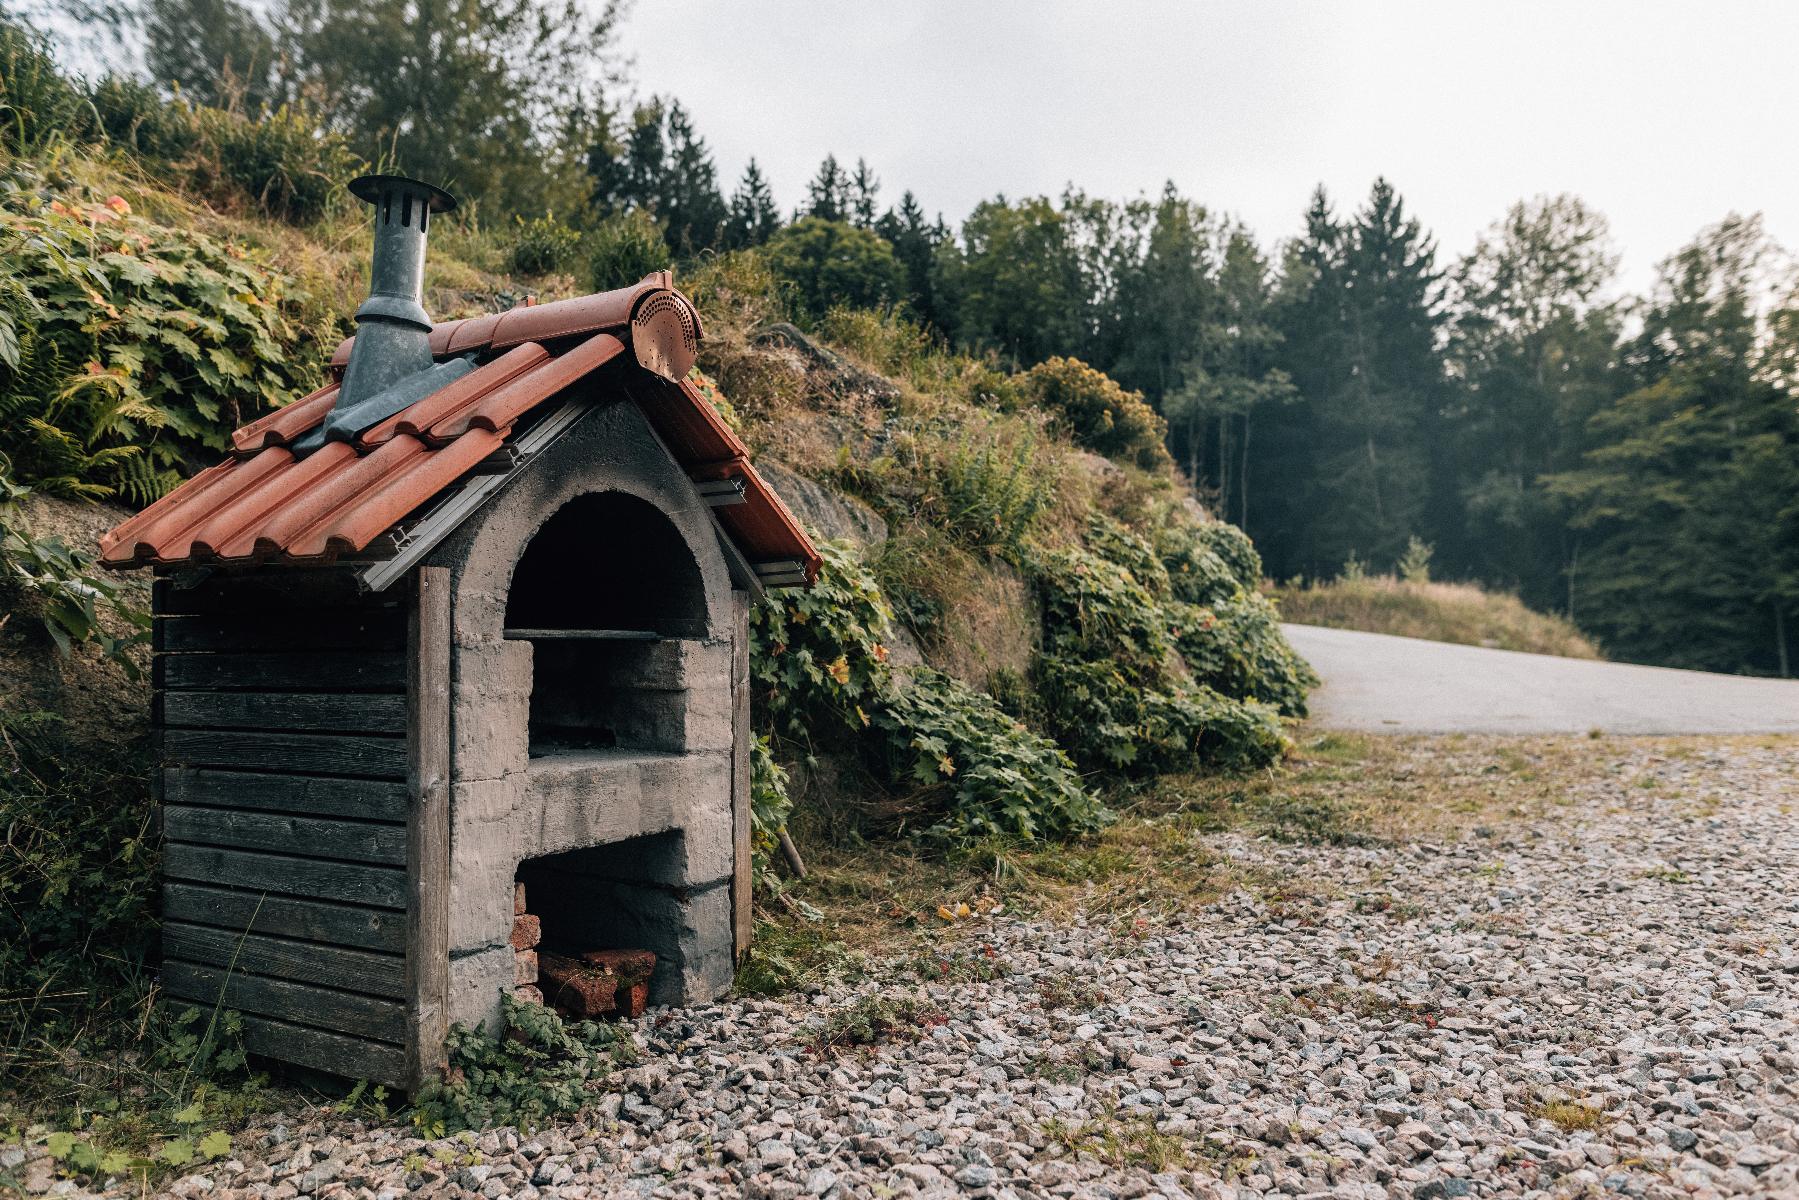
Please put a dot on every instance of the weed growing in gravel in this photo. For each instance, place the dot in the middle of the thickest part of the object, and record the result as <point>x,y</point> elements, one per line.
<point>1124,1142</point>
<point>793,955</point>
<point>539,1067</point>
<point>1570,1116</point>
<point>1389,906</point>
<point>1070,1065</point>
<point>872,1020</point>
<point>1369,1004</point>
<point>1060,992</point>
<point>978,965</point>
<point>1665,875</point>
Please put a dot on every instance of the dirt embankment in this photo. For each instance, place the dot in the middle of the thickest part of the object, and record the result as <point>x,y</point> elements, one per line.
<point>98,701</point>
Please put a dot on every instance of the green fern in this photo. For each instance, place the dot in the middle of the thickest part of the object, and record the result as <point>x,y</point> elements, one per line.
<point>129,351</point>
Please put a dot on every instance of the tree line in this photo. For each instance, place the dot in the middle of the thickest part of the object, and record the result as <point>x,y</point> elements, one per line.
<point>1632,462</point>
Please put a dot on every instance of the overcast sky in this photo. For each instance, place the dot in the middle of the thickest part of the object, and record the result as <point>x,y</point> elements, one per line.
<point>1665,116</point>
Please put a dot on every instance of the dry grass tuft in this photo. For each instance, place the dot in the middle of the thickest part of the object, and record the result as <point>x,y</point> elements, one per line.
<point>1440,612</point>
<point>1570,1116</point>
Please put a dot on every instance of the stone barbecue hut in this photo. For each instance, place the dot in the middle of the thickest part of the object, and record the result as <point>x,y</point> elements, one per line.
<point>452,673</point>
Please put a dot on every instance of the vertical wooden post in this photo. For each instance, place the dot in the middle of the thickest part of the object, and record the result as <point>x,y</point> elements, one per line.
<point>740,771</point>
<point>428,825</point>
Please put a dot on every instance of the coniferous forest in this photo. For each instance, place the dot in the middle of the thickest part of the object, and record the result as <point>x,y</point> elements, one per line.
<point>1341,389</point>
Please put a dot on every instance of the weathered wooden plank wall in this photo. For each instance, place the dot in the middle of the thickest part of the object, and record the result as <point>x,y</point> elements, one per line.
<point>282,701</point>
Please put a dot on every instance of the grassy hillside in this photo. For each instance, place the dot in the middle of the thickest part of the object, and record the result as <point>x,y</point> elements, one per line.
<point>1442,612</point>
<point>1030,623</point>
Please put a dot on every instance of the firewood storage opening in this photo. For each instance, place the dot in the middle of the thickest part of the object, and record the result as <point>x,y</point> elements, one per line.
<point>591,925</point>
<point>604,592</point>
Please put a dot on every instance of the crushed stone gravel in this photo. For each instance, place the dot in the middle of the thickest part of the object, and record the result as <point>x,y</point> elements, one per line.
<point>1601,1002</point>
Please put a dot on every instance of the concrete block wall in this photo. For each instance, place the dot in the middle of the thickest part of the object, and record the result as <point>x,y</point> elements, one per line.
<point>668,889</point>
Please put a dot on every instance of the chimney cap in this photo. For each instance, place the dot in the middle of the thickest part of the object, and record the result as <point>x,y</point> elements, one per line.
<point>370,187</point>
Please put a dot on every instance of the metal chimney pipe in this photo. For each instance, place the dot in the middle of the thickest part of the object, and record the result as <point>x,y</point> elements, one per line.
<point>392,328</point>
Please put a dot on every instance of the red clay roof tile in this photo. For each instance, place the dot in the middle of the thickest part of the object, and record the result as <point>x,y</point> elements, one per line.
<point>409,481</point>
<point>603,311</point>
<point>455,397</point>
<point>502,406</point>
<point>763,528</point>
<point>263,503</point>
<point>285,426</point>
<point>247,515</point>
<point>169,537</point>
<point>691,427</point>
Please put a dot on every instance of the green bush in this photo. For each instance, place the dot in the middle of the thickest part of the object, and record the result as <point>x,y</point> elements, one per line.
<point>1095,609</point>
<point>1236,647</point>
<point>986,481</point>
<point>1197,573</point>
<point>1110,723</point>
<point>38,105</point>
<point>1227,632</point>
<point>624,248</point>
<point>544,245</point>
<point>77,874</point>
<point>135,117</point>
<point>285,161</point>
<point>1117,544</point>
<point>129,350</point>
<point>63,588</point>
<point>769,801</point>
<point>1097,413</point>
<point>965,767</point>
<point>1114,689</point>
<point>828,264</point>
<point>1233,548</point>
<point>994,776</point>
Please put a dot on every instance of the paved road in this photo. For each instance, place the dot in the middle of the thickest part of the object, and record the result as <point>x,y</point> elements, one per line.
<point>1382,684</point>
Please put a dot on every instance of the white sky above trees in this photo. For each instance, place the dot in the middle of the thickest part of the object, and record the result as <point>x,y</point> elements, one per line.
<point>1664,116</point>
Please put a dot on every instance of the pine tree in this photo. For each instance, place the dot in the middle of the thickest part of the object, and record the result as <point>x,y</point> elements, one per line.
<point>1687,504</point>
<point>693,212</point>
<point>827,196</point>
<point>861,194</point>
<point>1530,349</point>
<point>1359,455</point>
<point>754,217</point>
<point>915,243</point>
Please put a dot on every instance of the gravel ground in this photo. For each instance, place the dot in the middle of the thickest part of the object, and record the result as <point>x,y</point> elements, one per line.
<point>1606,1003</point>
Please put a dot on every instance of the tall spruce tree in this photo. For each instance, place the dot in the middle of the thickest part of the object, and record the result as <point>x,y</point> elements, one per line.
<point>754,217</point>
<point>1687,504</point>
<point>915,243</point>
<point>827,196</point>
<point>692,211</point>
<point>1531,352</point>
<point>861,196</point>
<point>1361,317</point>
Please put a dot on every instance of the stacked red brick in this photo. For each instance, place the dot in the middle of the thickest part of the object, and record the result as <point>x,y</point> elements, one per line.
<point>583,985</point>
<point>527,932</point>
